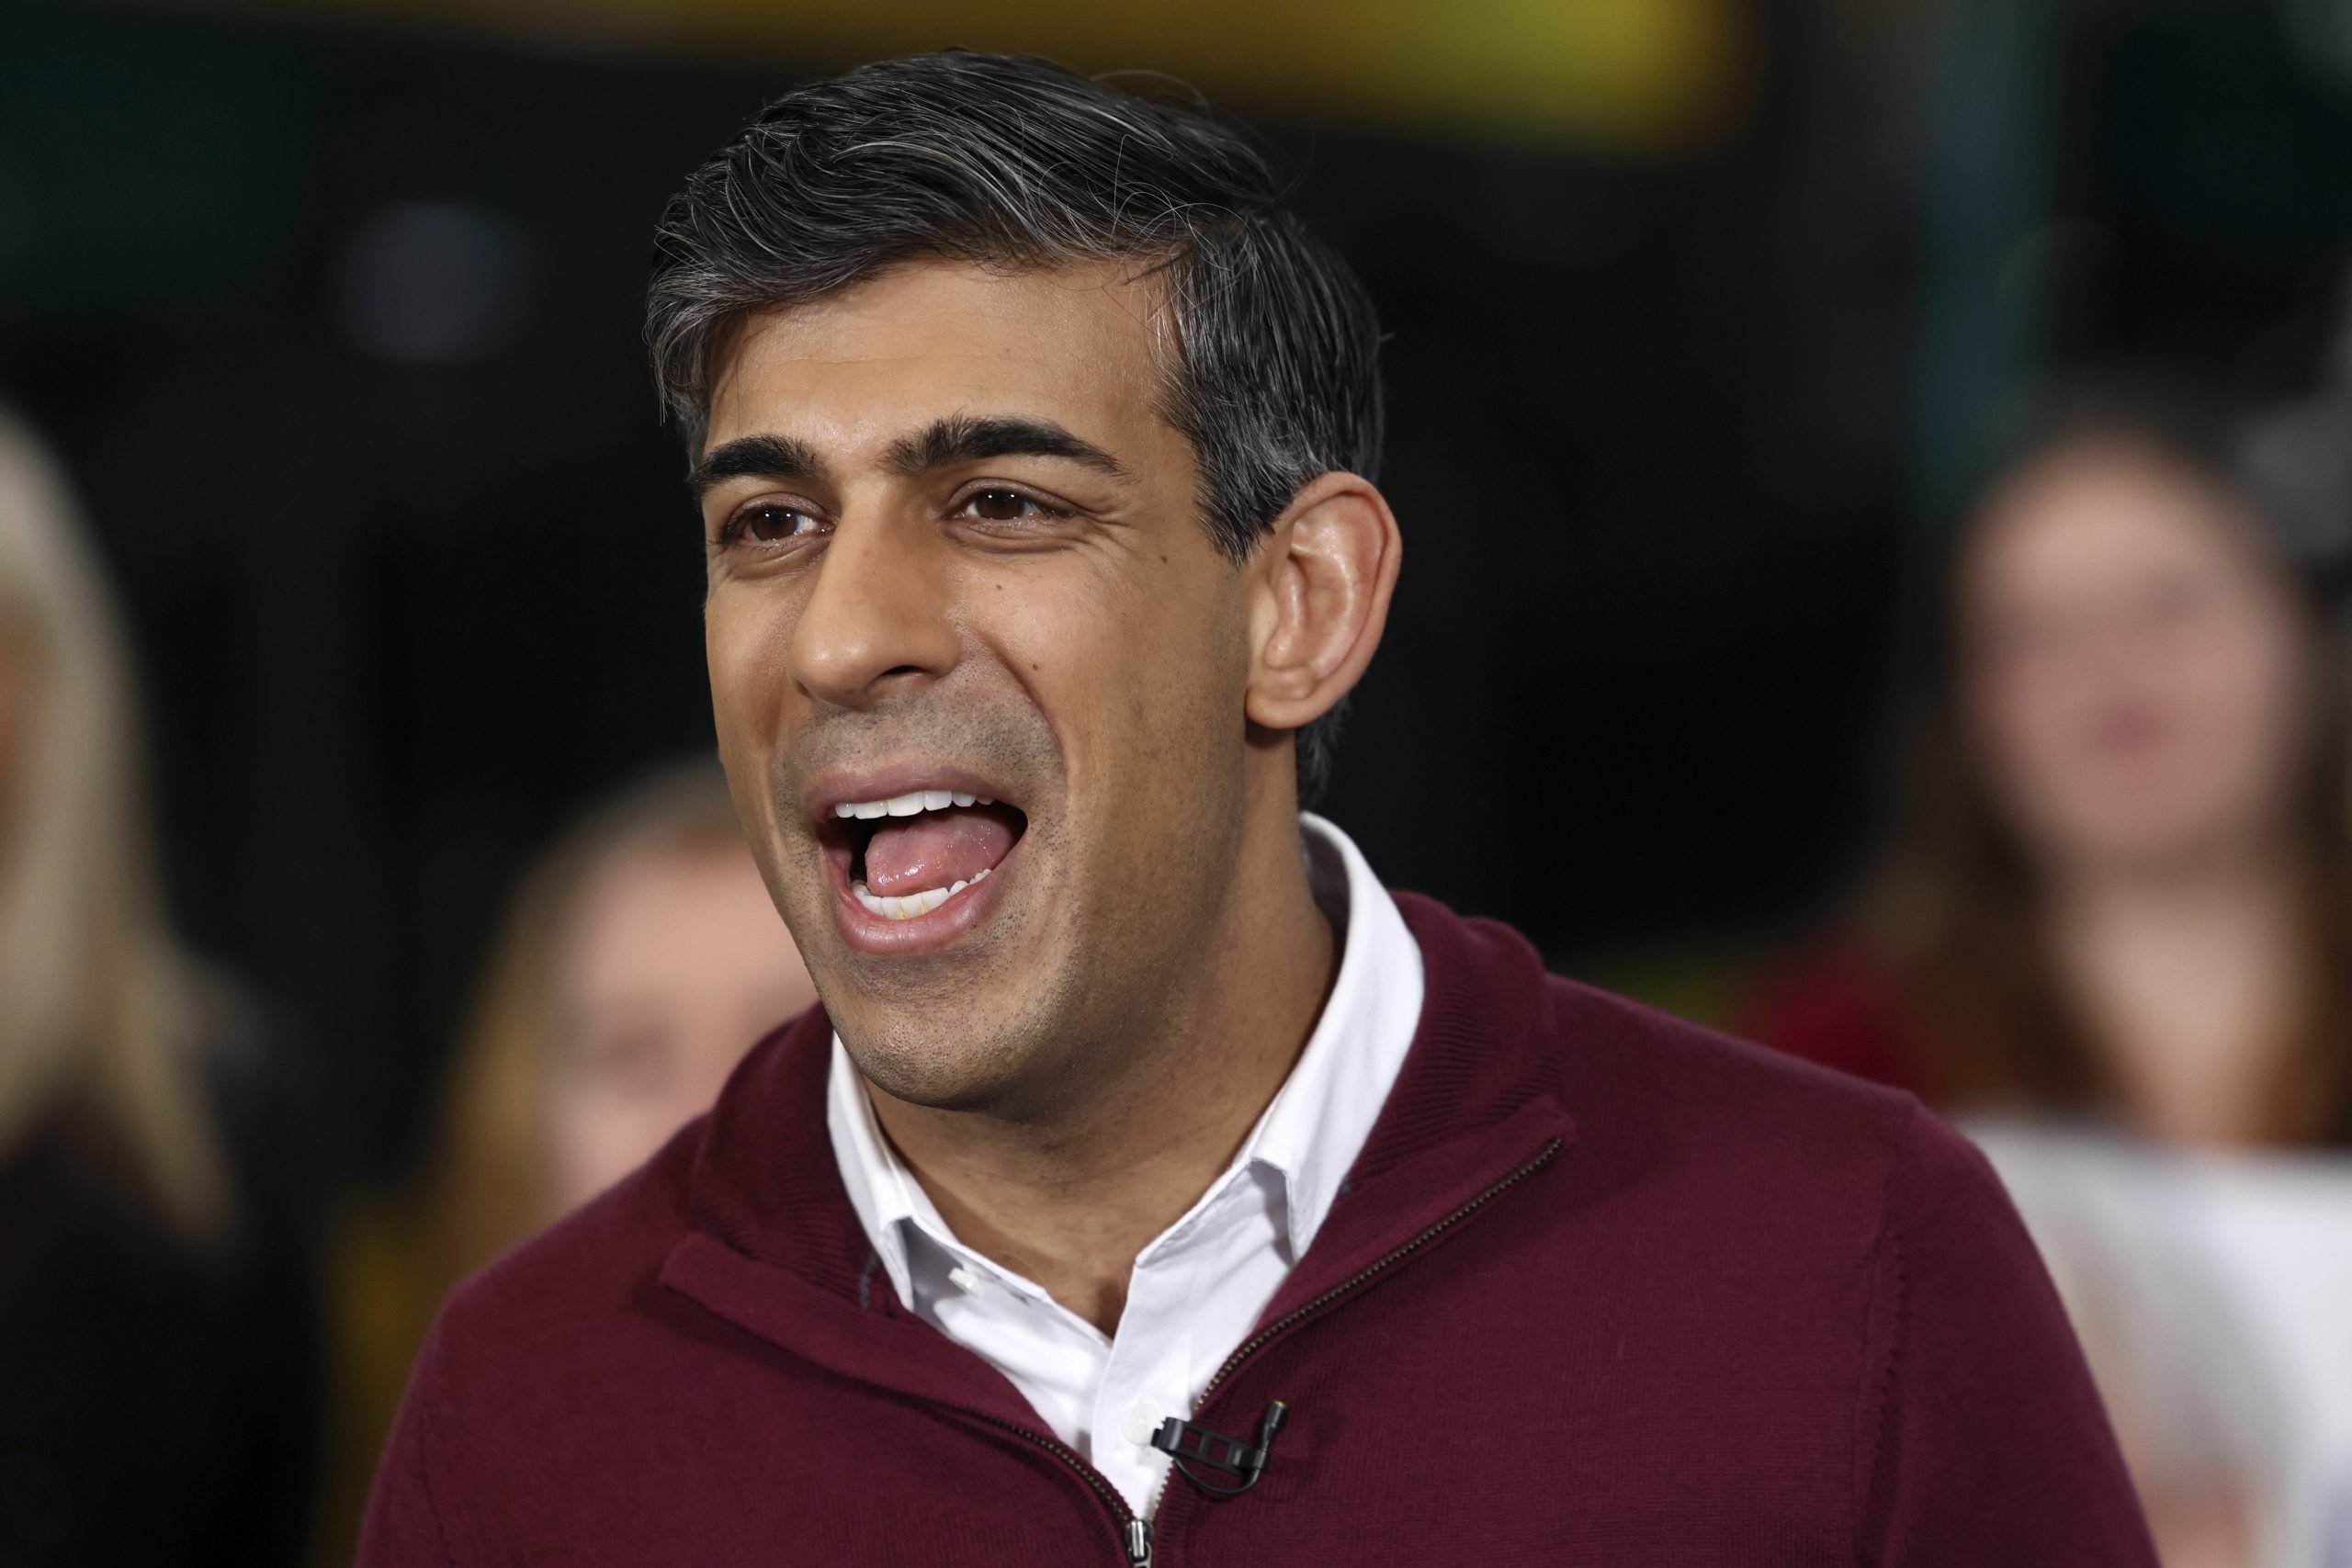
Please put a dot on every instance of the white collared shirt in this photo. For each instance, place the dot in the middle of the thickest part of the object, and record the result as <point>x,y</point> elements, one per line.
<point>1198,1289</point>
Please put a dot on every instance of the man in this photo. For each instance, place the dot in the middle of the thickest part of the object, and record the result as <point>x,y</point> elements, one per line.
<point>1151,1183</point>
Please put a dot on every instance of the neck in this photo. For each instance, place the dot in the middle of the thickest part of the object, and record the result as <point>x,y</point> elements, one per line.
<point>1068,1198</point>
<point>2188,977</point>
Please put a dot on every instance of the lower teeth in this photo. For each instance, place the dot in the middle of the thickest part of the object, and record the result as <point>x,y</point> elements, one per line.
<point>908,906</point>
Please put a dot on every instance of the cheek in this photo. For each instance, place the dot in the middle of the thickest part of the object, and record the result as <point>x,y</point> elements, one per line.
<point>2251,702</point>
<point>2023,719</point>
<point>745,635</point>
<point>2032,738</point>
<point>1124,664</point>
<point>1185,703</point>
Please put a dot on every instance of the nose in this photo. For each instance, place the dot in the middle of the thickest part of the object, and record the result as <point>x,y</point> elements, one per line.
<point>878,618</point>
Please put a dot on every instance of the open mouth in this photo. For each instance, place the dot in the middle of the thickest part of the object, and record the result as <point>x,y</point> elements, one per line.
<point>907,855</point>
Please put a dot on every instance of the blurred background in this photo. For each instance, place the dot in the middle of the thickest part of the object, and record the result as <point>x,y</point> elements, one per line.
<point>1713,320</point>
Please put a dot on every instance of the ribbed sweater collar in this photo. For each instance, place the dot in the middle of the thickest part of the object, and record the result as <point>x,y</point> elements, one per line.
<point>775,1246</point>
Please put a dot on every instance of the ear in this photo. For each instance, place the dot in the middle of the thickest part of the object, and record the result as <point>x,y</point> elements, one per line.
<point>1325,573</point>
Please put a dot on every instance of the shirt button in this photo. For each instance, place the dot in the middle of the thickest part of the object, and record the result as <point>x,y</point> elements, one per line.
<point>1138,1424</point>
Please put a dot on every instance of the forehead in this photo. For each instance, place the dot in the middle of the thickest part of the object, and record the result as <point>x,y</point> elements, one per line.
<point>668,906</point>
<point>857,369</point>
<point>2090,518</point>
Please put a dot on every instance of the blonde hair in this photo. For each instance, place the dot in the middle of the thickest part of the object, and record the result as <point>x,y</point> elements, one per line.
<point>97,1006</point>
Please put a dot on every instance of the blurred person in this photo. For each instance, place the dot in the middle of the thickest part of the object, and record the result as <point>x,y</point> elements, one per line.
<point>2118,896</point>
<point>636,960</point>
<point>639,960</point>
<point>158,1335</point>
<point>2120,886</point>
<point>1152,1181</point>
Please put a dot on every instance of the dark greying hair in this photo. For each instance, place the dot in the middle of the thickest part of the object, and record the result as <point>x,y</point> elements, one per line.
<point>1013,161</point>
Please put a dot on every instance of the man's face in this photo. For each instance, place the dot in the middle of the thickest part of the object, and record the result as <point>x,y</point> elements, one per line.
<point>955,557</point>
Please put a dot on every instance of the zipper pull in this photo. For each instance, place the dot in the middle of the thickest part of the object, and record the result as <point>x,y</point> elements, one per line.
<point>1139,1543</point>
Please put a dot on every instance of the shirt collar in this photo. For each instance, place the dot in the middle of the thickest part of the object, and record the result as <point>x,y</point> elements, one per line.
<point>1316,1126</point>
<point>880,1188</point>
<point>1309,1136</point>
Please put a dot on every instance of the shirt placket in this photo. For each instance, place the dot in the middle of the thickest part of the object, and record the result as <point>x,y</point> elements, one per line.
<point>1149,1375</point>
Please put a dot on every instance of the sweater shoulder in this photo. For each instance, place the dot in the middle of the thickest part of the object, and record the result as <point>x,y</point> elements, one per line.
<point>1678,1066</point>
<point>1782,1149</point>
<point>1664,1104</point>
<point>566,1291</point>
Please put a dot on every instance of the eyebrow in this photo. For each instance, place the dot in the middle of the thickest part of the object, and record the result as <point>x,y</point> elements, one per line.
<point>958,438</point>
<point>970,438</point>
<point>757,457</point>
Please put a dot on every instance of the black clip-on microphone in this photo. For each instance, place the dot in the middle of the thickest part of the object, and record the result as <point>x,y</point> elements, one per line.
<point>1182,1441</point>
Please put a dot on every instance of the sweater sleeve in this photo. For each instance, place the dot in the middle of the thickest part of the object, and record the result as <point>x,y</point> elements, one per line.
<point>405,1526</point>
<point>1982,1438</point>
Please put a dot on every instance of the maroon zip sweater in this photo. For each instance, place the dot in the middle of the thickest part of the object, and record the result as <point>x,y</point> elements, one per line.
<point>1601,1287</point>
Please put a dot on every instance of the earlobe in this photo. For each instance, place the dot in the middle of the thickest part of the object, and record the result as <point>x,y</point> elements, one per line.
<point>1328,570</point>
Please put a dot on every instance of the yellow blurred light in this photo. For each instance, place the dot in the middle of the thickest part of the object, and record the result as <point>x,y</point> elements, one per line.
<point>1642,77</point>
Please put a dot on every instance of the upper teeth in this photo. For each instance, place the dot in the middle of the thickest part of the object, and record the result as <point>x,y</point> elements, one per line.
<point>909,804</point>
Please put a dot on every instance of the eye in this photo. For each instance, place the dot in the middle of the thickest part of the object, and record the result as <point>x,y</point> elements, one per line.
<point>768,522</point>
<point>1001,505</point>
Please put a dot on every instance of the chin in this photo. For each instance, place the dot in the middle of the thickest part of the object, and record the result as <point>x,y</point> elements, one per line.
<point>2151,838</point>
<point>948,1067</point>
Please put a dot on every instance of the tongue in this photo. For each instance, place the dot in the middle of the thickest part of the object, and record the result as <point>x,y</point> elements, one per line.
<point>936,849</point>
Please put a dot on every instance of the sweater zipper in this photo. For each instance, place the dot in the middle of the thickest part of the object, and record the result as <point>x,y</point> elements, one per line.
<point>1135,1533</point>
